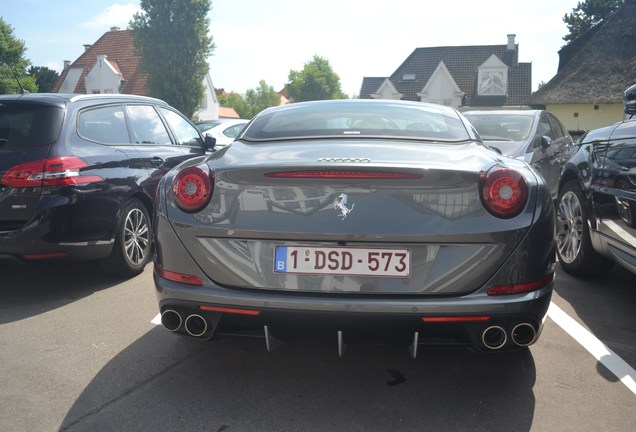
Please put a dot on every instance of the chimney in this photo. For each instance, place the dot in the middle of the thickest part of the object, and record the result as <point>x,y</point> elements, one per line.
<point>511,42</point>
<point>87,47</point>
<point>115,28</point>
<point>67,64</point>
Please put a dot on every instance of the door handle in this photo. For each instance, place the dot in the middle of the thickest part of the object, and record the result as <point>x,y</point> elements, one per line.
<point>156,161</point>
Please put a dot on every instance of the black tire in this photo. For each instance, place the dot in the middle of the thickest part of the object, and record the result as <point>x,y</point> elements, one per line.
<point>574,246</point>
<point>133,242</point>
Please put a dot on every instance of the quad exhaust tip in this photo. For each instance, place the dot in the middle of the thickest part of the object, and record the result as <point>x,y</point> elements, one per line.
<point>171,320</point>
<point>196,325</point>
<point>494,337</point>
<point>523,334</point>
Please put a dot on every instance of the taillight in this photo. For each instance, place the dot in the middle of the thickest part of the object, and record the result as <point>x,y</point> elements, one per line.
<point>57,171</point>
<point>192,188</point>
<point>504,192</point>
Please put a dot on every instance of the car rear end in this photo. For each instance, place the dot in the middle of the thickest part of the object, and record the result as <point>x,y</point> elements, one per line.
<point>418,253</point>
<point>385,240</point>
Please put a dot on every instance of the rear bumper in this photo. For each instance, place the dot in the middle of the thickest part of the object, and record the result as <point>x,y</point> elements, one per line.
<point>461,320</point>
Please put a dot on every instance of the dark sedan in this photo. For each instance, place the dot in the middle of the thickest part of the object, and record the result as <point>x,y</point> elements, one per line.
<point>596,217</point>
<point>356,220</point>
<point>535,136</point>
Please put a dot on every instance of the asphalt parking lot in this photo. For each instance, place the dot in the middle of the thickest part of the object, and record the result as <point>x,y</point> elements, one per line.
<point>80,353</point>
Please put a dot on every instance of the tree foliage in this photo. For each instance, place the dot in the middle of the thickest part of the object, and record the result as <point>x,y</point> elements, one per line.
<point>254,101</point>
<point>13,64</point>
<point>172,38</point>
<point>586,15</point>
<point>316,81</point>
<point>44,77</point>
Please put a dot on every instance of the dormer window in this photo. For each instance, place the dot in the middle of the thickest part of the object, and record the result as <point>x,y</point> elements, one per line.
<point>493,78</point>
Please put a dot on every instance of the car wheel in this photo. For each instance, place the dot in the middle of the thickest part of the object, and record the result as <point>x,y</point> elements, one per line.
<point>574,246</point>
<point>133,242</point>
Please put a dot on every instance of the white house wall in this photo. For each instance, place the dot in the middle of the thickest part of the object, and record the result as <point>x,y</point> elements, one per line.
<point>102,78</point>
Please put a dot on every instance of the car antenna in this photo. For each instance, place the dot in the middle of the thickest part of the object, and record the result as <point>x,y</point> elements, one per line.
<point>22,89</point>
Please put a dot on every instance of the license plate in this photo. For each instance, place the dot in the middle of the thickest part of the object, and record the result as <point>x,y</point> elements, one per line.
<point>380,262</point>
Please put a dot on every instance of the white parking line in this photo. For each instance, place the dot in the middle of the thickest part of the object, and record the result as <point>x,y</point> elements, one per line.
<point>598,349</point>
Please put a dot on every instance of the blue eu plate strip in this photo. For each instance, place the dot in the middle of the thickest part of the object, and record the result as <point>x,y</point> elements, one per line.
<point>280,263</point>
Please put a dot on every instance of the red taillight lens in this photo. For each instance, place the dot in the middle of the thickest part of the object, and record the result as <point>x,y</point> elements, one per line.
<point>178,277</point>
<point>519,288</point>
<point>192,188</point>
<point>504,192</point>
<point>342,174</point>
<point>58,171</point>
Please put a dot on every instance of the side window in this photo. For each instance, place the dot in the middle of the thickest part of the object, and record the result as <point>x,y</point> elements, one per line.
<point>185,133</point>
<point>544,129</point>
<point>233,131</point>
<point>147,127</point>
<point>557,129</point>
<point>105,125</point>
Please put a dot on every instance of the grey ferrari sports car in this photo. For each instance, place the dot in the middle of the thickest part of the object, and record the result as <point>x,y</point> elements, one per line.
<point>356,220</point>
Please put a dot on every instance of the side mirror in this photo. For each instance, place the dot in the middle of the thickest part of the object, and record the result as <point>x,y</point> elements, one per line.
<point>208,142</point>
<point>545,142</point>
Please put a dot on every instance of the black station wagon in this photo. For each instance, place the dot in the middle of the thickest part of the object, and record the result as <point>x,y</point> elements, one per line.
<point>78,175</point>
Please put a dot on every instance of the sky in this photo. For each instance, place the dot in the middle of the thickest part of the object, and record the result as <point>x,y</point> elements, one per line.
<point>263,40</point>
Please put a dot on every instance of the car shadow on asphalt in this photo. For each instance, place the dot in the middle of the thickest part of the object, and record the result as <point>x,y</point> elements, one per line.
<point>605,305</point>
<point>32,289</point>
<point>166,382</point>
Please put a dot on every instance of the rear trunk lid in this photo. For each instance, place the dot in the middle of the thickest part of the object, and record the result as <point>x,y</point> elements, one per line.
<point>27,131</point>
<point>415,226</point>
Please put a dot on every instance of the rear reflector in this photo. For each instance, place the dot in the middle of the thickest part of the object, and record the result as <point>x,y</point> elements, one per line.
<point>343,174</point>
<point>230,310</point>
<point>451,319</point>
<point>178,277</point>
<point>521,287</point>
<point>43,256</point>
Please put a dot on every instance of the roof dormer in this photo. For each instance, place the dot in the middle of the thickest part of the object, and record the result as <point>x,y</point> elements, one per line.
<point>492,77</point>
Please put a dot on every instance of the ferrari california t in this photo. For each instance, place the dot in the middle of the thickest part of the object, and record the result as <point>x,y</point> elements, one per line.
<point>356,220</point>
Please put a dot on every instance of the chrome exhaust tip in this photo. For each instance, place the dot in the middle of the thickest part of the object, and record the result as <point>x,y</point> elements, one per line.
<point>494,337</point>
<point>524,334</point>
<point>196,325</point>
<point>171,320</point>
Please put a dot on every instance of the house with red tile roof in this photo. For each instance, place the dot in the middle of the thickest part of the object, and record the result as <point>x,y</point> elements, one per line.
<point>111,65</point>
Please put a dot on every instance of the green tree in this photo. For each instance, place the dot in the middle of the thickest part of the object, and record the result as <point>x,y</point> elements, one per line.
<point>13,64</point>
<point>317,81</point>
<point>235,101</point>
<point>586,15</point>
<point>172,38</point>
<point>260,98</point>
<point>45,78</point>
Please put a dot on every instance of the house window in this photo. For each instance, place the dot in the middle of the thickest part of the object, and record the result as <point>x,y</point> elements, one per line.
<point>492,83</point>
<point>408,77</point>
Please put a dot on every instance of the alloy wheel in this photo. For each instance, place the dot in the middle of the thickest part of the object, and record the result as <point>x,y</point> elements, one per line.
<point>136,236</point>
<point>569,232</point>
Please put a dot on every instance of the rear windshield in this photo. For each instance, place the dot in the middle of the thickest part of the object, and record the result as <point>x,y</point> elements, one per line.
<point>497,127</point>
<point>28,125</point>
<point>369,120</point>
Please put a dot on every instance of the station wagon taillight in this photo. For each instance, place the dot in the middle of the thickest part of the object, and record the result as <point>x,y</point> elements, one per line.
<point>57,171</point>
<point>192,188</point>
<point>504,192</point>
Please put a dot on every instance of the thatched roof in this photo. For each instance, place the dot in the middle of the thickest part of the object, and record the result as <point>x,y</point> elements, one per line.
<point>597,67</point>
